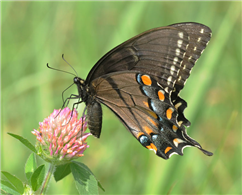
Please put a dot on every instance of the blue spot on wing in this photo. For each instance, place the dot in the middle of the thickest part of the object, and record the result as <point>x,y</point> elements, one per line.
<point>139,79</point>
<point>143,139</point>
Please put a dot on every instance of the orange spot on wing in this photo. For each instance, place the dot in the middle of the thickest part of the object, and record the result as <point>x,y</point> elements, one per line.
<point>153,114</point>
<point>148,111</point>
<point>146,104</point>
<point>148,130</point>
<point>169,112</point>
<point>174,127</point>
<point>168,149</point>
<point>161,95</point>
<point>139,134</point>
<point>152,147</point>
<point>146,80</point>
<point>152,121</point>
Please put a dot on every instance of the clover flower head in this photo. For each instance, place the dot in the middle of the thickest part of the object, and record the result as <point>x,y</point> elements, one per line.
<point>61,136</point>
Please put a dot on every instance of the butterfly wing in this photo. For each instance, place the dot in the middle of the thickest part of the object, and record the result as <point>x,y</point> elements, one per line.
<point>171,50</point>
<point>146,109</point>
<point>199,37</point>
<point>154,52</point>
<point>166,53</point>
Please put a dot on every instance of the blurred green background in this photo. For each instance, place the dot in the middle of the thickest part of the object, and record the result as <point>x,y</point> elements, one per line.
<point>36,33</point>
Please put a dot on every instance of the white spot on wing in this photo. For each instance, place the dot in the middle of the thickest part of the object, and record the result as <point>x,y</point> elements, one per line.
<point>177,51</point>
<point>202,31</point>
<point>169,80</point>
<point>187,46</point>
<point>166,89</point>
<point>177,141</point>
<point>178,105</point>
<point>175,60</point>
<point>172,70</point>
<point>179,43</point>
<point>180,34</point>
<point>184,54</point>
<point>180,123</point>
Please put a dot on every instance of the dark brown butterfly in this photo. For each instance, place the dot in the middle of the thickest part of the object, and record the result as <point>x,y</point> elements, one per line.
<point>140,81</point>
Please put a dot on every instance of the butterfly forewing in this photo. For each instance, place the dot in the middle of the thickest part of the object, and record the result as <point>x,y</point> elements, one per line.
<point>158,52</point>
<point>199,36</point>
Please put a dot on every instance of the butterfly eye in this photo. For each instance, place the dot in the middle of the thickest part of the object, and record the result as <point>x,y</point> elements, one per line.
<point>76,80</point>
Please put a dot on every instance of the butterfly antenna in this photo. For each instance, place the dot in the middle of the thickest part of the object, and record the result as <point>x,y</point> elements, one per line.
<point>69,65</point>
<point>59,70</point>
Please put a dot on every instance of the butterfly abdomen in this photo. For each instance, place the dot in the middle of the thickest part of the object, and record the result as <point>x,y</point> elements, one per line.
<point>94,118</point>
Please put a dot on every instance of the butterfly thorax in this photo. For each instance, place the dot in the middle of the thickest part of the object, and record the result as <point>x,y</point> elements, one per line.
<point>82,88</point>
<point>94,110</point>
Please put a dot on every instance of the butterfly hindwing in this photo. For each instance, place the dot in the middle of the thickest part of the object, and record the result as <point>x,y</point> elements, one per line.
<point>145,109</point>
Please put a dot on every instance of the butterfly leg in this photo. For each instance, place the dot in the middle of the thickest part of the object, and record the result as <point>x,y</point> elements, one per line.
<point>67,100</point>
<point>72,107</point>
<point>76,104</point>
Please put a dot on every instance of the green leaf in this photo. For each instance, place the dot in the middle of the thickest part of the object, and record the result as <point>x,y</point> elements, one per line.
<point>7,188</point>
<point>38,177</point>
<point>16,182</point>
<point>7,184</point>
<point>86,182</point>
<point>86,167</point>
<point>30,166</point>
<point>100,186</point>
<point>62,171</point>
<point>24,141</point>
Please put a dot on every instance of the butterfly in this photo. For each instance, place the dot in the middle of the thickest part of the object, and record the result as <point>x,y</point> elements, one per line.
<point>140,80</point>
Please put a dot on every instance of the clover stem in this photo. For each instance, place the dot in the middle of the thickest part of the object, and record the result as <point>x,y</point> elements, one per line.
<point>47,179</point>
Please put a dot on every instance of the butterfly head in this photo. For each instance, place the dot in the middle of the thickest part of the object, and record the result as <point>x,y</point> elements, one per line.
<point>81,86</point>
<point>78,81</point>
